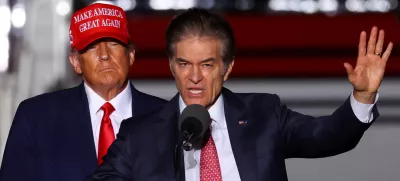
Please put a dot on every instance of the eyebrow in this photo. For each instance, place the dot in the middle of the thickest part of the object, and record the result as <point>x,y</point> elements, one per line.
<point>181,60</point>
<point>203,61</point>
<point>208,60</point>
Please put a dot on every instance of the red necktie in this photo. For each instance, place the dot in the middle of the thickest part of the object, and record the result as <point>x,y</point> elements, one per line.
<point>209,163</point>
<point>106,131</point>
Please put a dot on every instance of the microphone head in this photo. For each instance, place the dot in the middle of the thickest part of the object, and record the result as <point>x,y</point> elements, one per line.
<point>194,119</point>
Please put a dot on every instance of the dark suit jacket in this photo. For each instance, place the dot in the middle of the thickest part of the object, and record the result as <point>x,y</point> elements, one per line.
<point>51,137</point>
<point>269,133</point>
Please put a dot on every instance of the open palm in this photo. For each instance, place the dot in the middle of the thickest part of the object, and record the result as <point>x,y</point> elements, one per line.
<point>368,73</point>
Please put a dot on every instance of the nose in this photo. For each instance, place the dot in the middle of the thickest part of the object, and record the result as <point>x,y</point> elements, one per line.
<point>195,74</point>
<point>104,54</point>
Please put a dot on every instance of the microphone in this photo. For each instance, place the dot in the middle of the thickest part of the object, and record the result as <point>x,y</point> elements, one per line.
<point>193,122</point>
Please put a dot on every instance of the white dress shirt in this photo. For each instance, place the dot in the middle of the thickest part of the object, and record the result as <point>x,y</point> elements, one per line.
<point>123,110</point>
<point>219,132</point>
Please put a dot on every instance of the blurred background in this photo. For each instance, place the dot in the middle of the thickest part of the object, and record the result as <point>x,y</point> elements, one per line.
<point>294,48</point>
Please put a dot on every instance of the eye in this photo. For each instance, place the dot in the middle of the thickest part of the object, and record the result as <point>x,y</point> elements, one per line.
<point>183,64</point>
<point>207,65</point>
<point>113,44</point>
<point>91,47</point>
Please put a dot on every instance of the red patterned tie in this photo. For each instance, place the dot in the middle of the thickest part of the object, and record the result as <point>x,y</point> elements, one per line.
<point>106,131</point>
<point>209,163</point>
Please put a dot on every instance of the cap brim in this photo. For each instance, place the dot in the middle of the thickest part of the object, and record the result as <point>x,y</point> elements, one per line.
<point>98,35</point>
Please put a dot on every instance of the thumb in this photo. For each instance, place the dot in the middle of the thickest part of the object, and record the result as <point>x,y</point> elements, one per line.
<point>349,68</point>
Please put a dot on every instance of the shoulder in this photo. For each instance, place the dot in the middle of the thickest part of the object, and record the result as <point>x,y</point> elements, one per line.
<point>150,98</point>
<point>33,111</point>
<point>144,103</point>
<point>261,104</point>
<point>48,100</point>
<point>258,98</point>
<point>140,122</point>
<point>256,104</point>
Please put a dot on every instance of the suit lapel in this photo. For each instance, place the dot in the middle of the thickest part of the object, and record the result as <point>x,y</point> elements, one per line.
<point>239,123</point>
<point>168,124</point>
<point>80,130</point>
<point>136,109</point>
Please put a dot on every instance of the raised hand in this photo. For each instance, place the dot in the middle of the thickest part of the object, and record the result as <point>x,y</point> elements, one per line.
<point>368,73</point>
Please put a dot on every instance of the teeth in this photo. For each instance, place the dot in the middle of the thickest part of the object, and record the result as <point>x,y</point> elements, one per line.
<point>195,91</point>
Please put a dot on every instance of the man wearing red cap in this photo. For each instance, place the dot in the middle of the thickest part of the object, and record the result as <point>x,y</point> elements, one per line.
<point>64,135</point>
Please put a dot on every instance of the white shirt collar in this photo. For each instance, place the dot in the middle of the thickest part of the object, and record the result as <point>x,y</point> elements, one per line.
<point>119,102</point>
<point>216,111</point>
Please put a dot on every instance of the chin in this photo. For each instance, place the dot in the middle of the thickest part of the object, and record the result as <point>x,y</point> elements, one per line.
<point>110,83</point>
<point>110,80</point>
<point>194,101</point>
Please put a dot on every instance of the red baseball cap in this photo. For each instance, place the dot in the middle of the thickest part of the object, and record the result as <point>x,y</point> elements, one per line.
<point>97,21</point>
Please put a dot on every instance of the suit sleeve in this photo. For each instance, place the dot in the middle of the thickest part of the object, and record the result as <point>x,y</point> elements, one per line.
<point>19,154</point>
<point>313,137</point>
<point>116,164</point>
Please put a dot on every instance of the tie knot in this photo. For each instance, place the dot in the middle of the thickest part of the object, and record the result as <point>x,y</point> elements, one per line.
<point>107,108</point>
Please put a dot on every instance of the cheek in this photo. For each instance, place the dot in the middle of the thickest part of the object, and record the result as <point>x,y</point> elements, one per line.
<point>180,76</point>
<point>217,84</point>
<point>181,82</point>
<point>122,63</point>
<point>88,63</point>
<point>125,65</point>
<point>84,65</point>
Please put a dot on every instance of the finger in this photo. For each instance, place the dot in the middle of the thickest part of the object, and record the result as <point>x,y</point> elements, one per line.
<point>379,44</point>
<point>361,45</point>
<point>372,40</point>
<point>386,55</point>
<point>349,68</point>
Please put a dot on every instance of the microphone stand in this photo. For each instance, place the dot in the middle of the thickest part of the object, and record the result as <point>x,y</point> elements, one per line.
<point>183,144</point>
<point>177,161</point>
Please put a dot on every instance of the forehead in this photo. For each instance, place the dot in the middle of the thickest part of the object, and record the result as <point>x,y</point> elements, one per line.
<point>198,48</point>
<point>101,40</point>
<point>106,39</point>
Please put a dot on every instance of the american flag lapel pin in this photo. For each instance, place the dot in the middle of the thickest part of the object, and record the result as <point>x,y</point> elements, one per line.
<point>242,122</point>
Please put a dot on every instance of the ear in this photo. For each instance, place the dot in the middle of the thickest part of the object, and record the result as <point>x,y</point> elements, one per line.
<point>172,67</point>
<point>229,70</point>
<point>74,60</point>
<point>131,57</point>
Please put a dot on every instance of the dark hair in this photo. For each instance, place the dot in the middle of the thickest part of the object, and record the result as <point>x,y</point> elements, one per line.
<point>196,22</point>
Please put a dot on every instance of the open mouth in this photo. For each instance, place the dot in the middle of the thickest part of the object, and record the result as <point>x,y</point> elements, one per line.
<point>195,91</point>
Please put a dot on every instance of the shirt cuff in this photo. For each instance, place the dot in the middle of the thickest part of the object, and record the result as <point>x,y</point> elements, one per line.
<point>362,111</point>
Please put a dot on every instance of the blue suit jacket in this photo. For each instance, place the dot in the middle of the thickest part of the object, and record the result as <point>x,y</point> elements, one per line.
<point>51,137</point>
<point>263,133</point>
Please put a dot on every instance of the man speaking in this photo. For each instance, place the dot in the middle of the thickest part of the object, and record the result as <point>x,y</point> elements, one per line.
<point>249,134</point>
